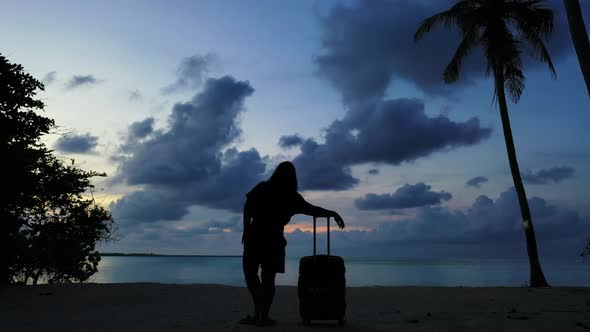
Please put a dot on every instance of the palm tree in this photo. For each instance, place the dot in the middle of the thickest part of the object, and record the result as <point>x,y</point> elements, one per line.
<point>502,28</point>
<point>579,37</point>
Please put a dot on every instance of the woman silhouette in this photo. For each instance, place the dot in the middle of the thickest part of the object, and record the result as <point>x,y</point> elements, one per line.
<point>269,207</point>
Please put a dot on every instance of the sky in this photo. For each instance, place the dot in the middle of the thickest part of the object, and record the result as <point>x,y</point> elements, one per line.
<point>186,105</point>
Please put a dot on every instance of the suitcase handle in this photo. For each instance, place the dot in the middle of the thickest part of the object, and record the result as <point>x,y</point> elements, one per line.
<point>328,232</point>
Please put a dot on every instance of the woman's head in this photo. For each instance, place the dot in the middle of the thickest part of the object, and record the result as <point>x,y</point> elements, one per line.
<point>284,177</point>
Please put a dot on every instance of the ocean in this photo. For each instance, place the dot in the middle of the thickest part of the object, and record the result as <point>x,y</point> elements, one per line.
<point>359,272</point>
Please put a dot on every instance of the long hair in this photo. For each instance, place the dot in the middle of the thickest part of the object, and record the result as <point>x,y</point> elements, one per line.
<point>284,177</point>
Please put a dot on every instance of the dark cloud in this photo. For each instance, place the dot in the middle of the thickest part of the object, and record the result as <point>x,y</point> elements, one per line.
<point>487,221</point>
<point>190,162</point>
<point>407,196</point>
<point>316,171</point>
<point>141,129</point>
<point>391,132</point>
<point>544,176</point>
<point>135,133</point>
<point>476,182</point>
<point>148,206</point>
<point>489,228</point>
<point>199,129</point>
<point>135,95</point>
<point>77,143</point>
<point>213,226</point>
<point>367,45</point>
<point>373,171</point>
<point>49,78</point>
<point>226,189</point>
<point>364,47</point>
<point>80,80</point>
<point>234,224</point>
<point>289,141</point>
<point>190,73</point>
<point>223,190</point>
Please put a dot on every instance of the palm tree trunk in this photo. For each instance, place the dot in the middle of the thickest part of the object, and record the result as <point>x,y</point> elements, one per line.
<point>579,37</point>
<point>537,278</point>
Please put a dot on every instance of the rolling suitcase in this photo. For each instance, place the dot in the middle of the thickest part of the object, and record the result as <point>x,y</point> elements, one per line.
<point>321,285</point>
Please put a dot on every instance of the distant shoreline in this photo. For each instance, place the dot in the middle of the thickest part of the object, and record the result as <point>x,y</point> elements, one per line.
<point>119,254</point>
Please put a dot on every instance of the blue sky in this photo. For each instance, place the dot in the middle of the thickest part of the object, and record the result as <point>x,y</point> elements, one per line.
<point>257,71</point>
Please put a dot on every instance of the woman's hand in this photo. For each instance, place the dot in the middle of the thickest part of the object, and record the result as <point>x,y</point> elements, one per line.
<point>339,220</point>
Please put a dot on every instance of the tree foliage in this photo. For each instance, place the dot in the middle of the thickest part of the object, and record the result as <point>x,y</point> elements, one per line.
<point>49,225</point>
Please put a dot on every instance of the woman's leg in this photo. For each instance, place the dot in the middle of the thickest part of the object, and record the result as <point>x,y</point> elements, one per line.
<point>250,265</point>
<point>268,291</point>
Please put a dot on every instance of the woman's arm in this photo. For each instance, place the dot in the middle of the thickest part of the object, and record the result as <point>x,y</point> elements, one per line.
<point>316,211</point>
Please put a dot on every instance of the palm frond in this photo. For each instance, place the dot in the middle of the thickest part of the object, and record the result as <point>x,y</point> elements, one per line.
<point>533,15</point>
<point>514,81</point>
<point>446,18</point>
<point>509,55</point>
<point>502,28</point>
<point>470,40</point>
<point>534,25</point>
<point>454,16</point>
<point>539,51</point>
<point>503,50</point>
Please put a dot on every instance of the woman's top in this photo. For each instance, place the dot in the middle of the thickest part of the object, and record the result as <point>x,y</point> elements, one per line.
<point>271,209</point>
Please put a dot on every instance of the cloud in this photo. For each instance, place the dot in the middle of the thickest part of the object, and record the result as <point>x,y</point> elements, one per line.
<point>234,224</point>
<point>364,47</point>
<point>489,228</point>
<point>407,196</point>
<point>148,206</point>
<point>289,141</point>
<point>141,129</point>
<point>544,176</point>
<point>391,132</point>
<point>135,133</point>
<point>190,162</point>
<point>373,171</point>
<point>135,95</point>
<point>49,78</point>
<point>488,221</point>
<point>476,182</point>
<point>190,73</point>
<point>213,226</point>
<point>80,80</point>
<point>199,129</point>
<point>316,171</point>
<point>77,143</point>
<point>367,45</point>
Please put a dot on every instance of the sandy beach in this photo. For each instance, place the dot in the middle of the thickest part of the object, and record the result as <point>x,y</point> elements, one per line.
<point>167,307</point>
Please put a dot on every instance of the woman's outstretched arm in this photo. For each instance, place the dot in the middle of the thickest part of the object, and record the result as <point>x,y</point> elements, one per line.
<point>316,211</point>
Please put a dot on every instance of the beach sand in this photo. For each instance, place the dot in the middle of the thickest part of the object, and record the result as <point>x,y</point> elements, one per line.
<point>166,307</point>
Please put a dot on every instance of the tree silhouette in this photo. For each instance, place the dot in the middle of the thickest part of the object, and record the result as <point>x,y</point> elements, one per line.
<point>579,37</point>
<point>48,227</point>
<point>502,28</point>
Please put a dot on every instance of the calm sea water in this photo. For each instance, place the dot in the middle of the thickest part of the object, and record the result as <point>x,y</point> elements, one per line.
<point>366,272</point>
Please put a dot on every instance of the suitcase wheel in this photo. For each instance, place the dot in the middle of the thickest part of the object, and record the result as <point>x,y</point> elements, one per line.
<point>306,322</point>
<point>342,321</point>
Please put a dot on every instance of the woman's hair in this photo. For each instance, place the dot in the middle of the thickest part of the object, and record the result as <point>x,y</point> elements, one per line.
<point>284,177</point>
